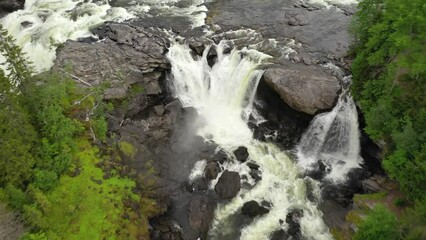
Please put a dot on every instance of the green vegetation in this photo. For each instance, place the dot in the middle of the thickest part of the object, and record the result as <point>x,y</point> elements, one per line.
<point>127,149</point>
<point>49,166</point>
<point>380,224</point>
<point>389,83</point>
<point>389,73</point>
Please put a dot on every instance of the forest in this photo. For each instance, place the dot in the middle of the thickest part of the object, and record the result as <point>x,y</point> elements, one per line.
<point>389,71</point>
<point>54,157</point>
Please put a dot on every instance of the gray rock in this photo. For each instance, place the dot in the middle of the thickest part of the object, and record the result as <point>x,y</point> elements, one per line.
<point>200,213</point>
<point>293,221</point>
<point>229,185</point>
<point>115,93</point>
<point>11,228</point>
<point>373,184</point>
<point>130,55</point>
<point>26,24</point>
<point>256,175</point>
<point>279,235</point>
<point>304,88</point>
<point>159,109</point>
<point>253,209</point>
<point>212,170</point>
<point>241,154</point>
<point>334,214</point>
<point>11,5</point>
<point>253,166</point>
<point>153,88</point>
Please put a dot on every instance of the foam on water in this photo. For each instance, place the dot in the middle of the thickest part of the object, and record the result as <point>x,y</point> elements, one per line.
<point>223,96</point>
<point>52,22</point>
<point>194,10</point>
<point>44,24</point>
<point>329,3</point>
<point>334,139</point>
<point>197,170</point>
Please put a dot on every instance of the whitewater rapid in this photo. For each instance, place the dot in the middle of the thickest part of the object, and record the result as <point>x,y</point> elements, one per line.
<point>223,96</point>
<point>43,25</point>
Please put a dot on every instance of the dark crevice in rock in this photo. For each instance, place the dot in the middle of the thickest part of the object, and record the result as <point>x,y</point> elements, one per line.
<point>284,125</point>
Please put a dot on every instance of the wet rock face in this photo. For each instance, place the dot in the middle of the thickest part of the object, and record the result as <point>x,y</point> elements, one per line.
<point>200,213</point>
<point>306,89</point>
<point>284,125</point>
<point>165,229</point>
<point>229,185</point>
<point>241,154</point>
<point>212,170</point>
<point>7,6</point>
<point>212,56</point>
<point>253,209</point>
<point>293,221</point>
<point>279,235</point>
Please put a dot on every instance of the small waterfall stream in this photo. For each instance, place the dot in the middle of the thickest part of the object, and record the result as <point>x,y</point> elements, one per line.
<point>223,97</point>
<point>333,139</point>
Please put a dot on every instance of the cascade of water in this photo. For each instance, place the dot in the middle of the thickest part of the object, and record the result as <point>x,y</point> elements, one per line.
<point>333,139</point>
<point>223,95</point>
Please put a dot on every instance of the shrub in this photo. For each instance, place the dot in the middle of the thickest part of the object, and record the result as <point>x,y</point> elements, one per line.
<point>380,224</point>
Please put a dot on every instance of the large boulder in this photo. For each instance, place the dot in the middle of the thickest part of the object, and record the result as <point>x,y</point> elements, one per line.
<point>241,154</point>
<point>229,185</point>
<point>200,213</point>
<point>253,209</point>
<point>306,89</point>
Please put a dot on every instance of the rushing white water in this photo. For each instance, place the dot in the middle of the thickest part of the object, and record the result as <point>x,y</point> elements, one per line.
<point>333,138</point>
<point>198,170</point>
<point>44,24</point>
<point>194,10</point>
<point>223,96</point>
<point>329,3</point>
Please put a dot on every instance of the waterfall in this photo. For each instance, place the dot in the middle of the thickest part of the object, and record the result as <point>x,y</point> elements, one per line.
<point>223,97</point>
<point>333,139</point>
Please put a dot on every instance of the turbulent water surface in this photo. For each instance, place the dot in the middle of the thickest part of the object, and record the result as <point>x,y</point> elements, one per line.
<point>223,96</point>
<point>333,138</point>
<point>44,24</point>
